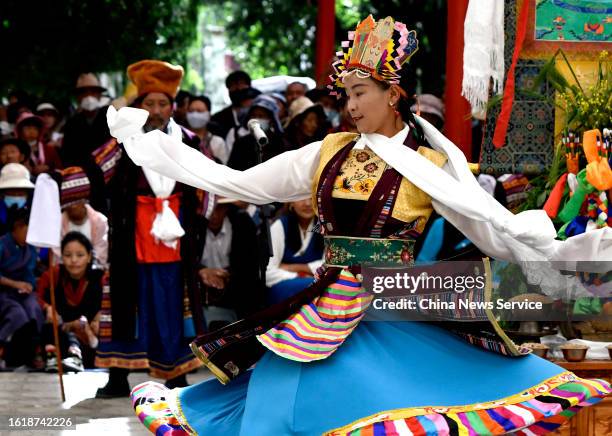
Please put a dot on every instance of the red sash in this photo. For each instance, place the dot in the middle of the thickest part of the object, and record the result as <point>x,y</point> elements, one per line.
<point>148,250</point>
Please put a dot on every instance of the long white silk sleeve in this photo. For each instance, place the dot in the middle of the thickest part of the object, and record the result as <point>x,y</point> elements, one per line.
<point>481,233</point>
<point>286,177</point>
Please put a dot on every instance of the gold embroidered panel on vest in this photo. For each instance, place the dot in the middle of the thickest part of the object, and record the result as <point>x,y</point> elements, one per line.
<point>358,175</point>
<point>411,203</point>
<point>331,144</point>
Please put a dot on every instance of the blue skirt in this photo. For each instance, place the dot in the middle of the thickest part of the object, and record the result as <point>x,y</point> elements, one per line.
<point>160,345</point>
<point>386,378</point>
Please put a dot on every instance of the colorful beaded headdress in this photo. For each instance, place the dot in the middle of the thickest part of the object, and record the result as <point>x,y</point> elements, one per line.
<point>374,49</point>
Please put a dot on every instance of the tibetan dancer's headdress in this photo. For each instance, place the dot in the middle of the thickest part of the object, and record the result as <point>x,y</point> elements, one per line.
<point>374,49</point>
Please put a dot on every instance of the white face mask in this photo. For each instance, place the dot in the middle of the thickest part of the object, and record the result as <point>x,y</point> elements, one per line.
<point>90,103</point>
<point>264,123</point>
<point>197,120</point>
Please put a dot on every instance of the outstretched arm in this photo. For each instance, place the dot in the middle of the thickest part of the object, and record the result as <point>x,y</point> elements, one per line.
<point>481,233</point>
<point>286,177</point>
<point>456,195</point>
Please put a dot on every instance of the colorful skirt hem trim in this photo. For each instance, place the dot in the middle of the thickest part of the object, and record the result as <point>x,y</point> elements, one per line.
<point>537,410</point>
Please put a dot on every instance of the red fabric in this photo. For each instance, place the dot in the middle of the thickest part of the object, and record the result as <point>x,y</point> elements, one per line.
<point>148,250</point>
<point>499,137</point>
<point>458,123</point>
<point>44,283</point>
<point>52,157</point>
<point>73,296</point>
<point>554,200</point>
<point>326,39</point>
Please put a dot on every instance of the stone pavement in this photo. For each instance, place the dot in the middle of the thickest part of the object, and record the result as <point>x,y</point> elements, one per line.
<point>38,394</point>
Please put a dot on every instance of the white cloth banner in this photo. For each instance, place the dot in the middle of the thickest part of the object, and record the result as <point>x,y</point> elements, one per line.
<point>45,226</point>
<point>483,51</point>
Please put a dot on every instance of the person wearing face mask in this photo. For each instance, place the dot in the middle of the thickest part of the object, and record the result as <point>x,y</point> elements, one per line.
<point>157,225</point>
<point>244,151</point>
<point>227,117</point>
<point>85,132</point>
<point>43,157</point>
<point>198,118</point>
<point>244,99</point>
<point>15,189</point>
<point>281,102</point>
<point>78,301</point>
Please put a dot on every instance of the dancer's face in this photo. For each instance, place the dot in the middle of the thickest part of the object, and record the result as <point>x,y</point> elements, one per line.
<point>369,105</point>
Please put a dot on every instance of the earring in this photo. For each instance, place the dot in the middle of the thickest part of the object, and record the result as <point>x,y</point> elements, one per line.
<point>397,114</point>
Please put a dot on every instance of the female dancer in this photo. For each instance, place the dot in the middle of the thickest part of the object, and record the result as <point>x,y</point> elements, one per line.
<point>323,370</point>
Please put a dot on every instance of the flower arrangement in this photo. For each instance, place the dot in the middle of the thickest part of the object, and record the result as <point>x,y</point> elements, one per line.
<point>584,109</point>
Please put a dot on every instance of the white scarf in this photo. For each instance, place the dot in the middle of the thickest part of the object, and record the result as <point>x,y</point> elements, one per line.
<point>529,236</point>
<point>483,52</point>
<point>456,194</point>
<point>166,226</point>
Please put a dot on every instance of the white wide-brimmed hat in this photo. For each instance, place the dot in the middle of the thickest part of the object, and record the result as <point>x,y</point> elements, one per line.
<point>300,106</point>
<point>15,176</point>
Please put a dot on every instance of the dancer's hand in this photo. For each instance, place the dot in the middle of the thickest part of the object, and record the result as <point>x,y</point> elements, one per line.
<point>126,122</point>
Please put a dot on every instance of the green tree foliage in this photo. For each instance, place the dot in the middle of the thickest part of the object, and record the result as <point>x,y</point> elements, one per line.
<point>46,44</point>
<point>271,37</point>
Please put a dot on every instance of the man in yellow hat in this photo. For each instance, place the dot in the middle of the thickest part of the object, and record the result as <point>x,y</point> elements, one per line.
<point>154,304</point>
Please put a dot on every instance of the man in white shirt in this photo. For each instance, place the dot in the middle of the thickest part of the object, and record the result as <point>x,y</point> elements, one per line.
<point>230,263</point>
